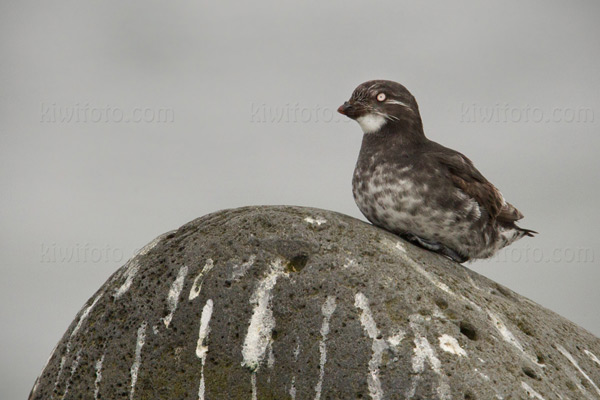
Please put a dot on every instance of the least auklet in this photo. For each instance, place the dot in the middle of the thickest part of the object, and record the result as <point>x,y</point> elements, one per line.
<point>426,193</point>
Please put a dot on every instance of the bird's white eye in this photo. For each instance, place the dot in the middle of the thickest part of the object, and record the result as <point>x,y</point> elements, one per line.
<point>381,97</point>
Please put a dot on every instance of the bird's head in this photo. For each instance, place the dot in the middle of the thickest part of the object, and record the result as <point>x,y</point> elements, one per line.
<point>379,103</point>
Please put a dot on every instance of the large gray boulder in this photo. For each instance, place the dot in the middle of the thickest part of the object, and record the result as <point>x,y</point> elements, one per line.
<point>299,303</point>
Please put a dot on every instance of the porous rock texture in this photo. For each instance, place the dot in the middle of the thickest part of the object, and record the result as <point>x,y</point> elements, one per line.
<point>298,303</point>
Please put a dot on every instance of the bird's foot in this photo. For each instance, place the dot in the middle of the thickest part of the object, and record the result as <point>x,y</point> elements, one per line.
<point>435,247</point>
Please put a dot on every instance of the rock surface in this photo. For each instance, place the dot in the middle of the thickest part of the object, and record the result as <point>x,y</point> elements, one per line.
<point>299,303</point>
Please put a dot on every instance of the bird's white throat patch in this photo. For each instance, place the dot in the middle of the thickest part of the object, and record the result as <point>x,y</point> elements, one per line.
<point>371,122</point>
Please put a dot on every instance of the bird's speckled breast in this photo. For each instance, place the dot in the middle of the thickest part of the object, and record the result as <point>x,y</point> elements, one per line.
<point>402,199</point>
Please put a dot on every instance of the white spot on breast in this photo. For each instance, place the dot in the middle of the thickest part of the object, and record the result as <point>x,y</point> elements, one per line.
<point>174,292</point>
<point>197,285</point>
<point>201,346</point>
<point>135,367</point>
<point>371,122</point>
<point>450,345</point>
<point>327,310</point>
<point>315,221</point>
<point>377,348</point>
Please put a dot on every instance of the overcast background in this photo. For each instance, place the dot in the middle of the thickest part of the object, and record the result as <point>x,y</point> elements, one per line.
<point>234,104</point>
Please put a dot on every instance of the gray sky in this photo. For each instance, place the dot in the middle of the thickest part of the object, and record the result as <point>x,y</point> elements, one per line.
<point>234,104</point>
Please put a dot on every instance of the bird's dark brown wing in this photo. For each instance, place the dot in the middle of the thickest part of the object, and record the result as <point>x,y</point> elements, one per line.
<point>467,178</point>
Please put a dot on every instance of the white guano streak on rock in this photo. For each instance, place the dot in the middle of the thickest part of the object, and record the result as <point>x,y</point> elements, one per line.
<point>37,381</point>
<point>239,271</point>
<point>450,345</point>
<point>74,366</point>
<point>572,374</point>
<point>506,334</point>
<point>576,365</point>
<point>501,327</point>
<point>296,355</point>
<point>262,322</point>
<point>133,266</point>
<point>377,348</point>
<point>98,368</point>
<point>436,282</point>
<point>315,221</point>
<point>592,356</point>
<point>530,392</point>
<point>204,330</point>
<point>394,340</point>
<point>85,314</point>
<point>293,388</point>
<point>201,347</point>
<point>425,352</point>
<point>61,366</point>
<point>146,249</point>
<point>131,271</point>
<point>271,356</point>
<point>253,382</point>
<point>297,349</point>
<point>174,293</point>
<point>327,310</point>
<point>510,338</point>
<point>197,285</point>
<point>141,340</point>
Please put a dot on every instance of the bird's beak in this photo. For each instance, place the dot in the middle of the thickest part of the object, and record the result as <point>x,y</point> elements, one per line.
<point>345,108</point>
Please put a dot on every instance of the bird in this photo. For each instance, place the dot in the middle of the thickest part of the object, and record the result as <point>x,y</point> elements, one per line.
<point>428,194</point>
